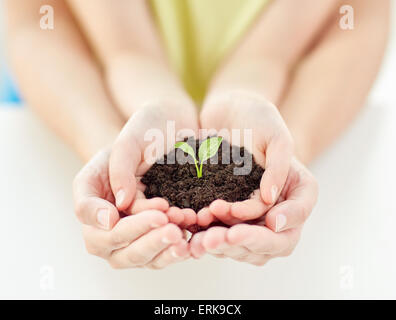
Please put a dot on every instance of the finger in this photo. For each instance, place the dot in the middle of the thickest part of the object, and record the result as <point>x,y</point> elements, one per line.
<point>95,241</point>
<point>237,212</point>
<point>90,206</point>
<point>189,217</point>
<point>101,243</point>
<point>277,163</point>
<point>221,209</point>
<point>124,161</point>
<point>196,248</point>
<point>175,215</point>
<point>96,212</point>
<point>205,217</point>
<point>140,205</point>
<point>259,240</point>
<point>240,253</point>
<point>175,253</point>
<point>133,227</point>
<point>214,240</point>
<point>144,249</point>
<point>249,209</point>
<point>256,259</point>
<point>295,210</point>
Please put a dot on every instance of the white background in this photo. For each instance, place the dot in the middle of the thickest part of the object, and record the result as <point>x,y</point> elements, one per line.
<point>348,247</point>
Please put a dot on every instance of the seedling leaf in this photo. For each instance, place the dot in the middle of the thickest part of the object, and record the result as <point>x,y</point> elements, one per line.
<point>209,148</point>
<point>186,148</point>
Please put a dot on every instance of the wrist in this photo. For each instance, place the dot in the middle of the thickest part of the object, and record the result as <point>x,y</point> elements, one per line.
<point>258,74</point>
<point>234,103</point>
<point>134,81</point>
<point>93,137</point>
<point>302,147</point>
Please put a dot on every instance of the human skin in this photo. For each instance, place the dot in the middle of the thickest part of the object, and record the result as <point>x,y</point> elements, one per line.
<point>89,108</point>
<point>296,75</point>
<point>257,243</point>
<point>277,62</point>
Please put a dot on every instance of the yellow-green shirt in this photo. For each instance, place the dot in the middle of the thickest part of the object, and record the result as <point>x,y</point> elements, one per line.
<point>198,33</point>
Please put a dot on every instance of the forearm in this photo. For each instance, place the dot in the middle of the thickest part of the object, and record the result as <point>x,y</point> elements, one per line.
<point>59,79</point>
<point>262,61</point>
<point>331,83</point>
<point>258,75</point>
<point>136,80</point>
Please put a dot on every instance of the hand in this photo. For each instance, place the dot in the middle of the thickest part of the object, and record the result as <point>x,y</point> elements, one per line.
<point>272,148</point>
<point>274,235</point>
<point>131,154</point>
<point>144,238</point>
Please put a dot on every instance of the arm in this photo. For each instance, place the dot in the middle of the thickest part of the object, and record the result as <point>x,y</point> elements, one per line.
<point>254,78</point>
<point>320,97</point>
<point>136,69</point>
<point>263,60</point>
<point>298,65</point>
<point>142,85</point>
<point>144,89</point>
<point>333,80</point>
<point>59,78</point>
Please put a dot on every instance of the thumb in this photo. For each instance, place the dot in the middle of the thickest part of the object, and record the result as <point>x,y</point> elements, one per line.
<point>124,161</point>
<point>277,164</point>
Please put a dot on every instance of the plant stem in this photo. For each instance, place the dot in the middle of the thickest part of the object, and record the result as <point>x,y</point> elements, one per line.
<point>200,170</point>
<point>199,173</point>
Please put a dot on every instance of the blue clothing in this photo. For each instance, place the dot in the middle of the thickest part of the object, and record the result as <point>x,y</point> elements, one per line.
<point>8,90</point>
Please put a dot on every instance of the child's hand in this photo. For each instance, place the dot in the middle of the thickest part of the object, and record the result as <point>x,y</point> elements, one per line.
<point>143,239</point>
<point>272,148</point>
<point>128,160</point>
<point>275,235</point>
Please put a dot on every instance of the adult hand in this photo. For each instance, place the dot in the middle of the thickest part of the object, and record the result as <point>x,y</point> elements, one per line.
<point>272,148</point>
<point>274,235</point>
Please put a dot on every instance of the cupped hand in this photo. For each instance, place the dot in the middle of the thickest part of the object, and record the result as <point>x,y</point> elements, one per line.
<point>145,137</point>
<point>271,146</point>
<point>143,238</point>
<point>274,235</point>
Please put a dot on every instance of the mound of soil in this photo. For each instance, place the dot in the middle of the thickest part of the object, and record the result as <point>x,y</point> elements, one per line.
<point>179,185</point>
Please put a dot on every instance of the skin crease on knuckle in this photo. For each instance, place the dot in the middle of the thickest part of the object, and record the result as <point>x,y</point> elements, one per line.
<point>117,240</point>
<point>293,236</point>
<point>136,259</point>
<point>95,251</point>
<point>92,245</point>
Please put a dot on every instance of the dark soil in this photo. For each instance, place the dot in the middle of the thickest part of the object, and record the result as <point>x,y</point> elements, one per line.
<point>179,185</point>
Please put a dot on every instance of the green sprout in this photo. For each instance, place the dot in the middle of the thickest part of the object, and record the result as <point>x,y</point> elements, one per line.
<point>207,150</point>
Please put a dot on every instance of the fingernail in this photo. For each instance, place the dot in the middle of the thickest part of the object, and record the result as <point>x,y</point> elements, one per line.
<point>280,222</point>
<point>120,196</point>
<point>103,217</point>
<point>174,253</point>
<point>274,193</point>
